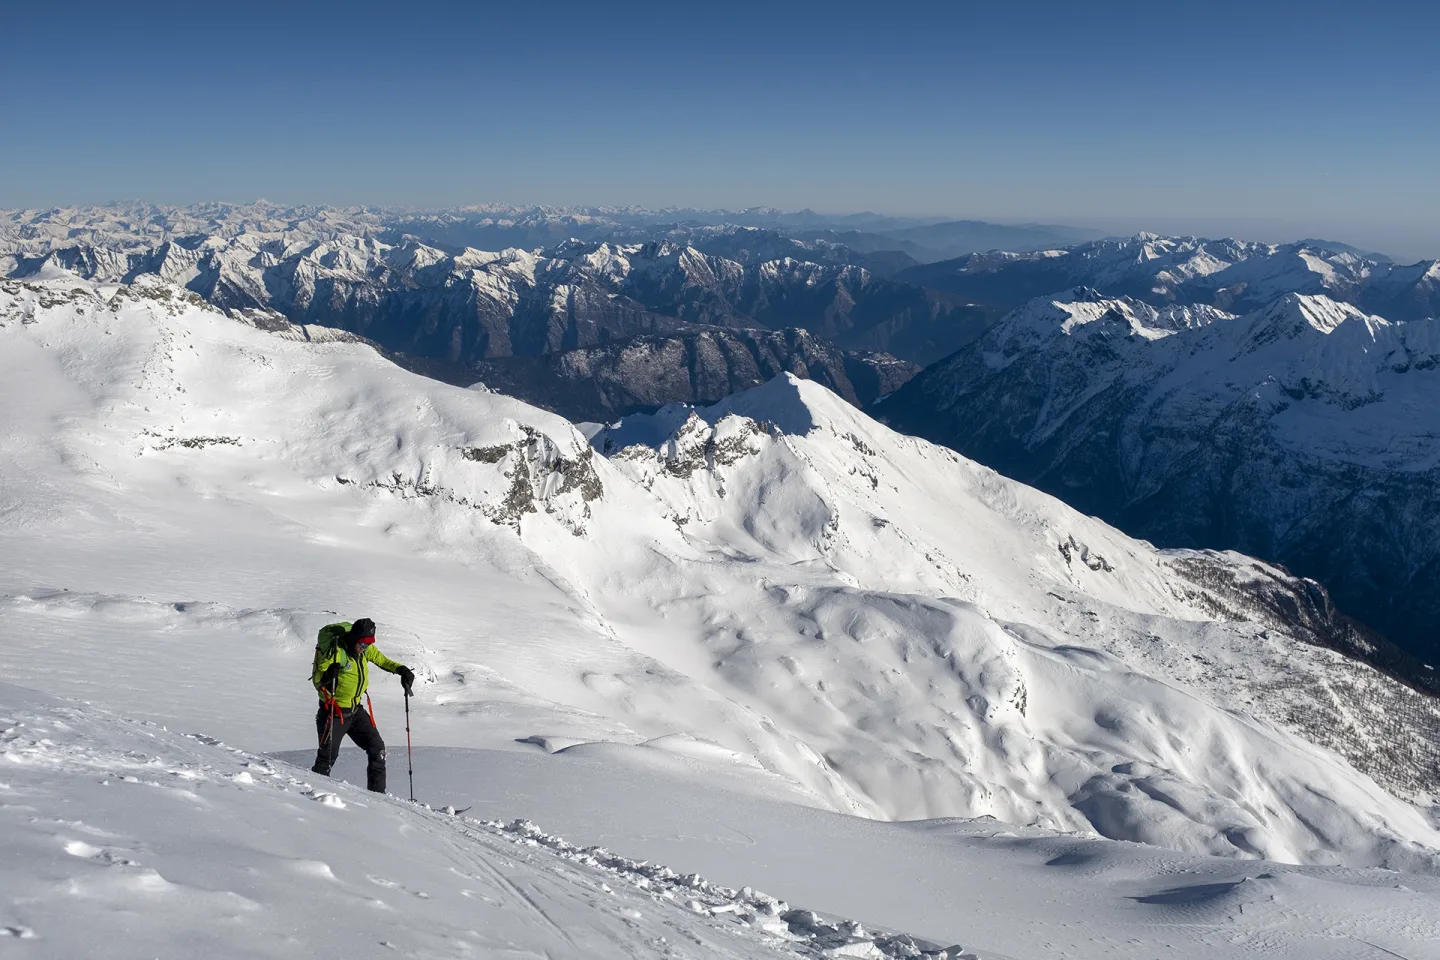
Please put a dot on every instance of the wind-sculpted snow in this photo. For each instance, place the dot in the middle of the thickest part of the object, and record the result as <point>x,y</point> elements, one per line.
<point>1301,433</point>
<point>876,622</point>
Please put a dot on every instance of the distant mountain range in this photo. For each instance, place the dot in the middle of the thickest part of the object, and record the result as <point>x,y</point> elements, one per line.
<point>1230,274</point>
<point>906,240</point>
<point>605,278</point>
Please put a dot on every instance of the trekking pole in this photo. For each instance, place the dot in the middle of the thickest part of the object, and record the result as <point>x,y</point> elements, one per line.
<point>409,754</point>
<point>330,708</point>
<point>325,738</point>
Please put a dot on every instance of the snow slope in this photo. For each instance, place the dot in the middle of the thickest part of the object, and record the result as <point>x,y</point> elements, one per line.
<point>1023,892</point>
<point>831,614</point>
<point>158,842</point>
<point>124,839</point>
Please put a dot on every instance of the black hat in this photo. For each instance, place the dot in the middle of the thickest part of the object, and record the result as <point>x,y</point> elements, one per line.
<point>364,627</point>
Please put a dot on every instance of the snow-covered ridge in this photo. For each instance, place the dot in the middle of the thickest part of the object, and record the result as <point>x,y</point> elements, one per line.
<point>1088,312</point>
<point>500,467</point>
<point>1298,346</point>
<point>886,627</point>
<point>720,467</point>
<point>1233,275</point>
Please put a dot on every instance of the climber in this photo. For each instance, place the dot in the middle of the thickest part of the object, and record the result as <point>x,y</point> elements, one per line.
<point>341,676</point>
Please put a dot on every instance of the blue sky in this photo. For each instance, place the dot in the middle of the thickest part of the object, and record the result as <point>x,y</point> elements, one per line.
<point>1259,119</point>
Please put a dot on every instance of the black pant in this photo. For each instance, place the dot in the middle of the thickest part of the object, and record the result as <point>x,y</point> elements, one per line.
<point>356,722</point>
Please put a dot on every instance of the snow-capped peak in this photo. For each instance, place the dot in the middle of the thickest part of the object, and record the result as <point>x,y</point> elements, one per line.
<point>1086,312</point>
<point>793,405</point>
<point>1295,313</point>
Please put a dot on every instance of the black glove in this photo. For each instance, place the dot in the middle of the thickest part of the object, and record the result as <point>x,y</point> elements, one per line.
<point>407,680</point>
<point>327,682</point>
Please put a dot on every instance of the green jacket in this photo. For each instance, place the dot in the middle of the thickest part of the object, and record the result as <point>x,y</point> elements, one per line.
<point>354,676</point>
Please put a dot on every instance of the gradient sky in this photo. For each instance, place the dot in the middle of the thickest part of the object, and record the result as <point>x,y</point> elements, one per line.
<point>1268,120</point>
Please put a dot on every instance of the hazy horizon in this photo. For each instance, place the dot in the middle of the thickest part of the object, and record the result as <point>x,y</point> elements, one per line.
<point>1401,246</point>
<point>1275,121</point>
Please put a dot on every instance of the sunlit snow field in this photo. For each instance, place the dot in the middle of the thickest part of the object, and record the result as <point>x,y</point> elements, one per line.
<point>742,654</point>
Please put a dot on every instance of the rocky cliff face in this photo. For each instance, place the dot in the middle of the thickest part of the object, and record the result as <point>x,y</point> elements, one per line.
<point>1302,433</point>
<point>692,366</point>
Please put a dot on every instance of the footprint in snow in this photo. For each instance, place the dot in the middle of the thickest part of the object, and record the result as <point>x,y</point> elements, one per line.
<point>328,799</point>
<point>19,933</point>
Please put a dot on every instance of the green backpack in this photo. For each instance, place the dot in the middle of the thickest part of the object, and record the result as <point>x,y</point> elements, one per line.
<point>330,639</point>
